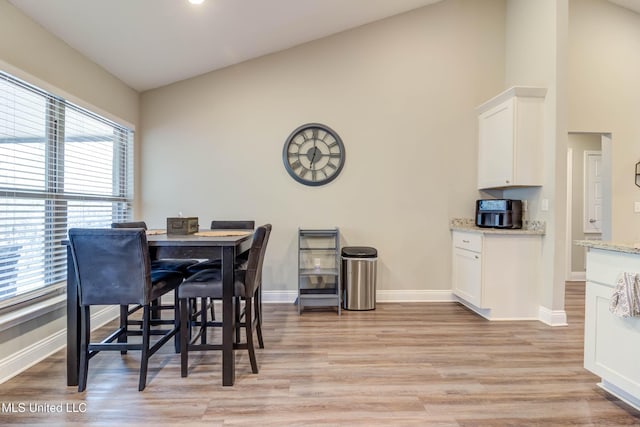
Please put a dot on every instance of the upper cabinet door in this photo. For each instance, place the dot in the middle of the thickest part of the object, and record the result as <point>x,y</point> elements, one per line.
<point>510,139</point>
<point>495,150</point>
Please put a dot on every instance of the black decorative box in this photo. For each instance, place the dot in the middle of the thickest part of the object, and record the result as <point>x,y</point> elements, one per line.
<point>182,225</point>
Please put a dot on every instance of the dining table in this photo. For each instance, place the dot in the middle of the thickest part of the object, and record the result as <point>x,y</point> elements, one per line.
<point>205,244</point>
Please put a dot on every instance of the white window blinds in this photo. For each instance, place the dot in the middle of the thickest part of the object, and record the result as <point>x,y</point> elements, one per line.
<point>61,166</point>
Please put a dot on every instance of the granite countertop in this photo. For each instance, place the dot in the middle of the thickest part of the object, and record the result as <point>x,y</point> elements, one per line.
<point>630,248</point>
<point>467,224</point>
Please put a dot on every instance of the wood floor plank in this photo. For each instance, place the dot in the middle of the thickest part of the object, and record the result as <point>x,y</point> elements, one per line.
<point>423,364</point>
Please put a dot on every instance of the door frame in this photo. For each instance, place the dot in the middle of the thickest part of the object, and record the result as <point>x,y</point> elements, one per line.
<point>606,141</point>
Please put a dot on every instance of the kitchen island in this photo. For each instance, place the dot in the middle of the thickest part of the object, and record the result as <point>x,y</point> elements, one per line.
<point>611,343</point>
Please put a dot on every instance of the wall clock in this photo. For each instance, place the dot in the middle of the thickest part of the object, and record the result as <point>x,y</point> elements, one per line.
<point>313,154</point>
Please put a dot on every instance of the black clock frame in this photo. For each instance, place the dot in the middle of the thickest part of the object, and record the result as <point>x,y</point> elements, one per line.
<point>291,171</point>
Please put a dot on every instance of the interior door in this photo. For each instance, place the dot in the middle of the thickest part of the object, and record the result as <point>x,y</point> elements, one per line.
<point>593,192</point>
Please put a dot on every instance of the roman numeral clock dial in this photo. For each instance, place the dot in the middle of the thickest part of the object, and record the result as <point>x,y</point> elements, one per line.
<point>313,154</point>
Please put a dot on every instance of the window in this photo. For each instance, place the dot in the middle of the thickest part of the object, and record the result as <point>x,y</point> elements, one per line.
<point>61,166</point>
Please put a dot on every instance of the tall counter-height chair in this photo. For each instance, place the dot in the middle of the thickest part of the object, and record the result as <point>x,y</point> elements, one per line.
<point>172,264</point>
<point>208,284</point>
<point>217,263</point>
<point>112,267</point>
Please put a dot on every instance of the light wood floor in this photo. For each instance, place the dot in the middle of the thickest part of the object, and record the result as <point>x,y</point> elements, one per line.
<point>426,364</point>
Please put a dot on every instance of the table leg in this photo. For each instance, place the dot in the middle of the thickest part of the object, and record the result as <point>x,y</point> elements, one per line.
<point>73,323</point>
<point>228,317</point>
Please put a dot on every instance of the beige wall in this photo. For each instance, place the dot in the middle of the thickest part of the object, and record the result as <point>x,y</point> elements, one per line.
<point>604,93</point>
<point>400,92</point>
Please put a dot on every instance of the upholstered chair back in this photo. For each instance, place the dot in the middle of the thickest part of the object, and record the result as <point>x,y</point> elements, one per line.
<point>233,225</point>
<point>130,224</point>
<point>253,274</point>
<point>112,265</point>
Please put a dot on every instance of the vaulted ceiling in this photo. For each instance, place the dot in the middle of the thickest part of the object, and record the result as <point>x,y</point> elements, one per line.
<point>152,43</point>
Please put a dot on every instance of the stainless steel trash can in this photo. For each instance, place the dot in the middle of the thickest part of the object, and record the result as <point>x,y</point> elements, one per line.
<point>359,271</point>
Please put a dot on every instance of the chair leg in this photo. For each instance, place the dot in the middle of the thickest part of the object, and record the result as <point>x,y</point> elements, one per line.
<point>203,319</point>
<point>144,358</point>
<point>85,336</point>
<point>185,318</point>
<point>156,312</point>
<point>248,321</point>
<point>176,321</point>
<point>238,316</point>
<point>124,325</point>
<point>258,314</point>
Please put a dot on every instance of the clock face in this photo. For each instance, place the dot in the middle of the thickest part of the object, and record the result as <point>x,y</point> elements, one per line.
<point>313,154</point>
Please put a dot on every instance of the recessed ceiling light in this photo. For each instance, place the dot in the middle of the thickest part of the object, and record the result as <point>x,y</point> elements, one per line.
<point>195,1</point>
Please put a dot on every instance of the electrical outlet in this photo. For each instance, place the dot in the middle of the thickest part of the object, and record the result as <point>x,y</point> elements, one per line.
<point>636,207</point>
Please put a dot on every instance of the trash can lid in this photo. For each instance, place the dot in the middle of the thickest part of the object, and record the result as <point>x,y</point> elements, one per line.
<point>359,252</point>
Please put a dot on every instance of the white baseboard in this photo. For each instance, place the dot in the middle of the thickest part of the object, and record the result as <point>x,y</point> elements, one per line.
<point>282,297</point>
<point>381,296</point>
<point>415,295</point>
<point>552,317</point>
<point>27,357</point>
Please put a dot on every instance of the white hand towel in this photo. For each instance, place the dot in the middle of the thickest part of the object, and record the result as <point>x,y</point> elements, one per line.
<point>625,301</point>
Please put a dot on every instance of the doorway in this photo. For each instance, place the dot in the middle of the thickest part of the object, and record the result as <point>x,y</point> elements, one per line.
<point>588,196</point>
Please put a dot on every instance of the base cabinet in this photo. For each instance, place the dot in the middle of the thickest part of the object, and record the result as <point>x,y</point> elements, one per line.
<point>467,267</point>
<point>467,275</point>
<point>611,343</point>
<point>496,275</point>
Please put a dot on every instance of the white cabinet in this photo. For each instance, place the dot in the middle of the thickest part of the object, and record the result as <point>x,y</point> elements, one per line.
<point>467,271</point>
<point>611,343</point>
<point>497,274</point>
<point>510,139</point>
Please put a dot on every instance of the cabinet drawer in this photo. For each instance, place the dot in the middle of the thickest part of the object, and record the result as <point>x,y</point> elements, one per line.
<point>606,267</point>
<point>468,241</point>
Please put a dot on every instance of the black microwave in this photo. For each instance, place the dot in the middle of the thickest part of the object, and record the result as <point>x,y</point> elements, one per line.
<point>499,213</point>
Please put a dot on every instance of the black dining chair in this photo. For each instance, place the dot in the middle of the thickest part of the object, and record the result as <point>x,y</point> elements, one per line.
<point>217,262</point>
<point>181,265</point>
<point>207,284</point>
<point>112,267</point>
<point>171,264</point>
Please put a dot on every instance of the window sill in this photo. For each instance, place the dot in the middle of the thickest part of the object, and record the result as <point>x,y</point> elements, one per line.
<point>31,311</point>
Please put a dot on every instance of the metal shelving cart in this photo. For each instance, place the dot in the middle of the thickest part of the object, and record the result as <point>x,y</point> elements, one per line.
<point>318,268</point>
